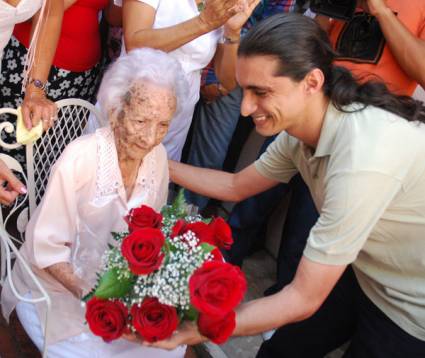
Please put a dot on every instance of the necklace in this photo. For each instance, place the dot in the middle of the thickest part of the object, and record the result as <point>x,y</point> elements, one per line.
<point>201,5</point>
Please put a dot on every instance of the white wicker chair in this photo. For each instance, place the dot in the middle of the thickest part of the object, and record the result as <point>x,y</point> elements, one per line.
<point>40,156</point>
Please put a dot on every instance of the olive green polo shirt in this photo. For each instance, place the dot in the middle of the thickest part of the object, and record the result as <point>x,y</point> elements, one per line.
<point>367,179</point>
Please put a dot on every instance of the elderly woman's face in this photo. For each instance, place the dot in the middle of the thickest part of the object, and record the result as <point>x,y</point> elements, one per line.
<point>144,120</point>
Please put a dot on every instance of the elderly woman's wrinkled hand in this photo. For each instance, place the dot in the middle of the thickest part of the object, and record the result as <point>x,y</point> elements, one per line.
<point>132,337</point>
<point>10,186</point>
<point>35,108</point>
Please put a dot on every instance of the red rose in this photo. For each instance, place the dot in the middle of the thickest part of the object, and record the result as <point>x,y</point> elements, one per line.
<point>142,217</point>
<point>216,288</point>
<point>178,228</point>
<point>217,329</point>
<point>107,319</point>
<point>222,233</point>
<point>142,249</point>
<point>153,320</point>
<point>216,255</point>
<point>202,231</point>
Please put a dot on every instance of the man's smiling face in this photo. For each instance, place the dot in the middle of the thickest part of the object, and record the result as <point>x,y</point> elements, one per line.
<point>276,103</point>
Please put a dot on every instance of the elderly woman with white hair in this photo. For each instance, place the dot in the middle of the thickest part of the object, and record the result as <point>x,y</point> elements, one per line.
<point>93,185</point>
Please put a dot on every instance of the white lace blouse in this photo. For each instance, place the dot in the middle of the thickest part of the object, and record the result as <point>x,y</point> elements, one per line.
<point>84,202</point>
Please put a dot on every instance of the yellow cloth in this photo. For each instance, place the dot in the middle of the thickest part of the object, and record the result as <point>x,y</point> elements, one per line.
<point>23,135</point>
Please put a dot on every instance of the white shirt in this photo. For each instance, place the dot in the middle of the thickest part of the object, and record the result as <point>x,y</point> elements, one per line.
<point>84,202</point>
<point>9,16</point>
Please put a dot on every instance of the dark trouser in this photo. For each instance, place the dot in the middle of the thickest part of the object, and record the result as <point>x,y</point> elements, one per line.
<point>213,126</point>
<point>248,219</point>
<point>347,314</point>
<point>300,218</point>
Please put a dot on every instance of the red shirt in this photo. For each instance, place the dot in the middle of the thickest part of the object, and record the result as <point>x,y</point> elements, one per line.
<point>79,46</point>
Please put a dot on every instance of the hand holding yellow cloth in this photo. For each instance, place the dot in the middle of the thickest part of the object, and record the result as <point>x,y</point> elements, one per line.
<point>23,135</point>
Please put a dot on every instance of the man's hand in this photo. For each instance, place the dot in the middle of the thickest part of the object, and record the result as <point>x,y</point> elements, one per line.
<point>36,107</point>
<point>10,186</point>
<point>186,333</point>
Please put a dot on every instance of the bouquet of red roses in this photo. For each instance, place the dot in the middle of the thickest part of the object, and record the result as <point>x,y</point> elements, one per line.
<point>166,269</point>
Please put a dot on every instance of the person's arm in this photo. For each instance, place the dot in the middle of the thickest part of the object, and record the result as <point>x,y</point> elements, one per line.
<point>295,302</point>
<point>52,231</point>
<point>68,3</point>
<point>64,274</point>
<point>408,50</point>
<point>218,184</point>
<point>324,22</point>
<point>138,19</point>
<point>10,186</point>
<point>36,106</point>
<point>226,54</point>
<point>13,3</point>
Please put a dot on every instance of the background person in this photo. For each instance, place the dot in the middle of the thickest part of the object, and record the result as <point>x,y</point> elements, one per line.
<point>217,113</point>
<point>35,106</point>
<point>46,27</point>
<point>384,41</point>
<point>76,64</point>
<point>191,31</point>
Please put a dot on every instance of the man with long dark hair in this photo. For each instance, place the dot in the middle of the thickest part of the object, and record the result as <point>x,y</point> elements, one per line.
<point>360,150</point>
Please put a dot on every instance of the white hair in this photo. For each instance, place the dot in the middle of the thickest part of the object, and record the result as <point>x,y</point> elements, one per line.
<point>140,66</point>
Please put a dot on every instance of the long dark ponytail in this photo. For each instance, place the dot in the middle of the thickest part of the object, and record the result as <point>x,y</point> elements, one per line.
<point>301,45</point>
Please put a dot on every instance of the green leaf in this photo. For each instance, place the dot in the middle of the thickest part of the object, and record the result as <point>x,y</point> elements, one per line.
<point>111,287</point>
<point>171,246</point>
<point>178,208</point>
<point>206,220</point>
<point>89,295</point>
<point>166,248</point>
<point>179,203</point>
<point>118,236</point>
<point>191,314</point>
<point>207,248</point>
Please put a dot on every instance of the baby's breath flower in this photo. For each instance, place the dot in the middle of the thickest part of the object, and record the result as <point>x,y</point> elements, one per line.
<point>170,283</point>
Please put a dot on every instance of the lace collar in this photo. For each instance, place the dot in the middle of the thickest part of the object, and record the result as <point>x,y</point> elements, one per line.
<point>108,175</point>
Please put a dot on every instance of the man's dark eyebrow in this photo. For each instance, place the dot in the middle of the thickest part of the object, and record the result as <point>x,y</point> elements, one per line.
<point>256,88</point>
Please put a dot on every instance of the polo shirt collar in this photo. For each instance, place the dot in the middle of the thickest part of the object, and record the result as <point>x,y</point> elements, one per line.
<point>328,132</point>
